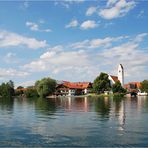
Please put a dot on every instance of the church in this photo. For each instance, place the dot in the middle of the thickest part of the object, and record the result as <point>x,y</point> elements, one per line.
<point>120,76</point>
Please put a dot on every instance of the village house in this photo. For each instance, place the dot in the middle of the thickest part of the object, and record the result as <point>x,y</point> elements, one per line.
<point>73,88</point>
<point>133,86</point>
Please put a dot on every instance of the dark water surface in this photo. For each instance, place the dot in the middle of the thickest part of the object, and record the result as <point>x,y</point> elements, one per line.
<point>74,122</point>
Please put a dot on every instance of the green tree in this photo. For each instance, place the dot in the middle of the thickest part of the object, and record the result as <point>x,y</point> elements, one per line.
<point>117,88</point>
<point>7,89</point>
<point>45,86</point>
<point>101,83</point>
<point>11,87</point>
<point>20,87</point>
<point>32,92</point>
<point>144,86</point>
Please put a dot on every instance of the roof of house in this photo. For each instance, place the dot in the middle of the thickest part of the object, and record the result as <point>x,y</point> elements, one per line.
<point>22,89</point>
<point>115,78</point>
<point>138,84</point>
<point>76,85</point>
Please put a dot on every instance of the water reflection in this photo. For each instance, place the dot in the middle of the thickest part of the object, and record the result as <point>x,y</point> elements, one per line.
<point>46,106</point>
<point>75,104</point>
<point>6,104</point>
<point>74,122</point>
<point>103,106</point>
<point>120,111</point>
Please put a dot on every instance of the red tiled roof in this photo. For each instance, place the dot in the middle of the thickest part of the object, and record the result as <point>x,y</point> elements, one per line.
<point>115,78</point>
<point>22,89</point>
<point>138,84</point>
<point>76,85</point>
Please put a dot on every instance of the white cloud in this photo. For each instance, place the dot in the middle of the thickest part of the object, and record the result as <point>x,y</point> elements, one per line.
<point>91,10</point>
<point>64,63</point>
<point>60,59</point>
<point>10,39</point>
<point>140,37</point>
<point>130,55</point>
<point>47,55</point>
<point>111,2</point>
<point>73,23</point>
<point>96,43</point>
<point>89,24</point>
<point>35,27</point>
<point>25,84</point>
<point>78,64</point>
<point>12,73</point>
<point>115,9</point>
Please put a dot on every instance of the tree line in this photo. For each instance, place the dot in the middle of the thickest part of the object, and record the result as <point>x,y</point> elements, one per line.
<point>47,86</point>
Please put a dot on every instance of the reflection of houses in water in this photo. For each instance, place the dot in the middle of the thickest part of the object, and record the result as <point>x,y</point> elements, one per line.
<point>122,115</point>
<point>120,112</point>
<point>76,104</point>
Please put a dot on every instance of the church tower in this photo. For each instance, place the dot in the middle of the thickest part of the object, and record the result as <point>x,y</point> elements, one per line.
<point>121,74</point>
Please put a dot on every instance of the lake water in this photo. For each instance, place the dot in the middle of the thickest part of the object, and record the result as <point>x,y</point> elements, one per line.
<point>74,122</point>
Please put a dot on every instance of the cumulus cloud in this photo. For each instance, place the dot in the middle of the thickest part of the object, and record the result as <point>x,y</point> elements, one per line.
<point>10,39</point>
<point>73,23</point>
<point>89,24</point>
<point>91,10</point>
<point>130,55</point>
<point>83,64</point>
<point>12,73</point>
<point>26,83</point>
<point>35,27</point>
<point>111,2</point>
<point>58,58</point>
<point>116,8</point>
<point>96,43</point>
<point>67,64</point>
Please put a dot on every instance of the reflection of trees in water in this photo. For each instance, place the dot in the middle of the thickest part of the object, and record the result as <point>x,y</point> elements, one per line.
<point>46,106</point>
<point>6,103</point>
<point>102,106</point>
<point>117,102</point>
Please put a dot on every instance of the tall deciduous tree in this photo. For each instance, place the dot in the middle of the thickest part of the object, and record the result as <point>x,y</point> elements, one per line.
<point>45,86</point>
<point>144,86</point>
<point>101,83</point>
<point>7,89</point>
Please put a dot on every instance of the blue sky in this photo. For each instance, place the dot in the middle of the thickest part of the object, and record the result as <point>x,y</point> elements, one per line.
<point>72,40</point>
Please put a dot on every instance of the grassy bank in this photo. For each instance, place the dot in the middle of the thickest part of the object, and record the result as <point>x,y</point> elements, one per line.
<point>104,95</point>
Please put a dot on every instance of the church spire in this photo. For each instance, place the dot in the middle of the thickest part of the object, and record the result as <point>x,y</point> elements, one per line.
<point>121,74</point>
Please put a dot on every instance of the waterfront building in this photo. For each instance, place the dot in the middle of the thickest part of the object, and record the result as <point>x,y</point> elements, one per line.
<point>132,86</point>
<point>73,88</point>
<point>120,76</point>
